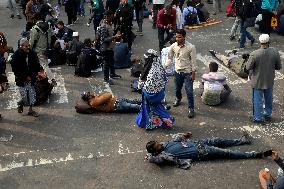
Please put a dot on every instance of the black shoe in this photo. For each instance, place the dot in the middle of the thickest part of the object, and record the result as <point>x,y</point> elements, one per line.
<point>115,76</point>
<point>213,53</point>
<point>267,118</point>
<point>19,17</point>
<point>246,138</point>
<point>12,16</point>
<point>20,108</point>
<point>190,114</point>
<point>176,103</point>
<point>110,82</point>
<point>252,42</point>
<point>232,38</point>
<point>168,107</point>
<point>258,121</point>
<point>259,155</point>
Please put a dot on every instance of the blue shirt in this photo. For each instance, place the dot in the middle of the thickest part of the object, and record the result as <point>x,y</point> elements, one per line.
<point>269,5</point>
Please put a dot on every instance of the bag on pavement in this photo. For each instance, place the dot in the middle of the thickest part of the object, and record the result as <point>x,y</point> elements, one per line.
<point>43,89</point>
<point>83,67</point>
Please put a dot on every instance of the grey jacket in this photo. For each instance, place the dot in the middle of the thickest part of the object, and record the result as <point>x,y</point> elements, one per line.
<point>40,37</point>
<point>105,36</point>
<point>262,65</point>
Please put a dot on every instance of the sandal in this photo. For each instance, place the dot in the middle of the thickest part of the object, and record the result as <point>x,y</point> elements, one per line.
<point>33,113</point>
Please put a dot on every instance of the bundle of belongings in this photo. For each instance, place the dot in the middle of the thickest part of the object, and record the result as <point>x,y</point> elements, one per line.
<point>42,88</point>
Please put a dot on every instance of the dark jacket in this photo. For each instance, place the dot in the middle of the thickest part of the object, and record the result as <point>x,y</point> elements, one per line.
<point>112,5</point>
<point>23,69</point>
<point>70,6</point>
<point>138,4</point>
<point>244,8</point>
<point>121,56</point>
<point>126,12</point>
<point>65,34</point>
<point>75,45</point>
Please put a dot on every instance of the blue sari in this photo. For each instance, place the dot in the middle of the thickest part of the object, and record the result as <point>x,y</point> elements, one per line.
<point>153,113</point>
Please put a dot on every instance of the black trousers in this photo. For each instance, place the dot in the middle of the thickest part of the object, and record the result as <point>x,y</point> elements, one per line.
<point>127,35</point>
<point>108,64</point>
<point>266,22</point>
<point>162,39</point>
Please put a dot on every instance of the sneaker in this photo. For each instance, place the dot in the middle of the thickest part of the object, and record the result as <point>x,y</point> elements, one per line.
<point>141,34</point>
<point>168,107</point>
<point>176,103</point>
<point>19,17</point>
<point>88,24</point>
<point>12,16</point>
<point>115,76</point>
<point>20,107</point>
<point>190,113</point>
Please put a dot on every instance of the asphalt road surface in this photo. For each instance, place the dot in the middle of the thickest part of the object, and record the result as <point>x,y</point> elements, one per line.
<point>63,149</point>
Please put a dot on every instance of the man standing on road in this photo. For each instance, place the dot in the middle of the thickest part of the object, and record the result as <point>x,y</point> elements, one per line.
<point>166,23</point>
<point>262,65</point>
<point>157,6</point>
<point>244,11</point>
<point>25,65</point>
<point>105,41</point>
<point>185,60</point>
<point>40,40</point>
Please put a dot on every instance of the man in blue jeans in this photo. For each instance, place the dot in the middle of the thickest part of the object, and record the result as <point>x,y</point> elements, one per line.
<point>244,12</point>
<point>185,60</point>
<point>182,151</point>
<point>262,65</point>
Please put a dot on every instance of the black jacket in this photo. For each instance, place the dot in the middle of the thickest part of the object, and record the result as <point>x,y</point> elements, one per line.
<point>244,8</point>
<point>22,69</point>
<point>126,12</point>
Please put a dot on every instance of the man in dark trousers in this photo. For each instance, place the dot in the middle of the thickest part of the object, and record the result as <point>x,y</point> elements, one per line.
<point>124,16</point>
<point>26,67</point>
<point>166,23</point>
<point>105,41</point>
<point>138,6</point>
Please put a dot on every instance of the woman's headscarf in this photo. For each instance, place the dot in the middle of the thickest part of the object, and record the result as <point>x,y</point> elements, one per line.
<point>153,72</point>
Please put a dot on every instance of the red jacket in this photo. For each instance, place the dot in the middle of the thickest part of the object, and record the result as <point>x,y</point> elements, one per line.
<point>164,19</point>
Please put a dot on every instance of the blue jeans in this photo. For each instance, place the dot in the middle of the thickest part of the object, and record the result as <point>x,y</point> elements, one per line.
<point>214,149</point>
<point>244,34</point>
<point>181,78</point>
<point>81,10</point>
<point>260,96</point>
<point>127,106</point>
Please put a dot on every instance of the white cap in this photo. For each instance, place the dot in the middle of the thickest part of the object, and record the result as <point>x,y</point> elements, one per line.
<point>75,34</point>
<point>23,40</point>
<point>264,38</point>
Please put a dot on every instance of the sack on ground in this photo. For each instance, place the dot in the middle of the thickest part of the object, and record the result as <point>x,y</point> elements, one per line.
<point>43,89</point>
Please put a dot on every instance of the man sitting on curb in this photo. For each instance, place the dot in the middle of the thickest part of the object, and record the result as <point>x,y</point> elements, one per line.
<point>106,102</point>
<point>267,181</point>
<point>182,151</point>
<point>214,88</point>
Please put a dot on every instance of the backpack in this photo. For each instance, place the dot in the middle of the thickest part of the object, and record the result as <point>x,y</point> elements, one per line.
<point>246,9</point>
<point>191,17</point>
<point>83,67</point>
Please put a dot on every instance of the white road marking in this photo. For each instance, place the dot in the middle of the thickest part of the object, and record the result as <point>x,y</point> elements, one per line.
<point>69,157</point>
<point>271,130</point>
<point>60,88</point>
<point>98,86</point>
<point>281,54</point>
<point>15,96</point>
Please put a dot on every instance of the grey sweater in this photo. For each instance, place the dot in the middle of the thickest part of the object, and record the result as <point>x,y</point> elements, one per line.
<point>262,65</point>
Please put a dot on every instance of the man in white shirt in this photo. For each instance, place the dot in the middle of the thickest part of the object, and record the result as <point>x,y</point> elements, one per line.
<point>185,60</point>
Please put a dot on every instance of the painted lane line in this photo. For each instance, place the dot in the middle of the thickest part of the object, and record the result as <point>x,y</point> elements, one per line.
<point>14,89</point>
<point>281,54</point>
<point>69,157</point>
<point>271,130</point>
<point>98,86</point>
<point>60,88</point>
